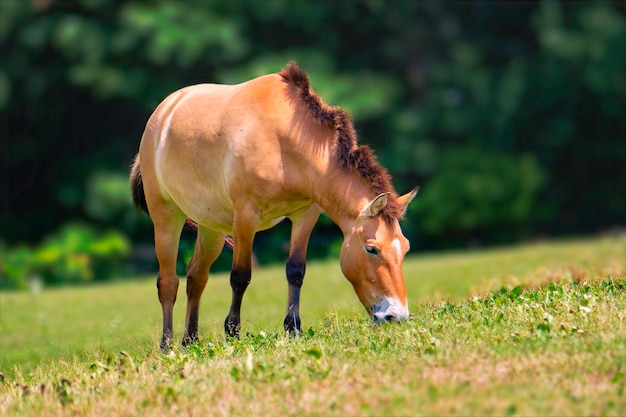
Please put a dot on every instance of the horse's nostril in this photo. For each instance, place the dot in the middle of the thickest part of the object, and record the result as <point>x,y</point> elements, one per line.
<point>384,318</point>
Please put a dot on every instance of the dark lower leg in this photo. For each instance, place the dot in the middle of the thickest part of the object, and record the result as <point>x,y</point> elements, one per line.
<point>191,329</point>
<point>295,276</point>
<point>167,288</point>
<point>239,280</point>
<point>208,247</point>
<point>196,281</point>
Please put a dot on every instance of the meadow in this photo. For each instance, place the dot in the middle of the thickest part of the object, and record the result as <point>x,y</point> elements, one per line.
<point>535,329</point>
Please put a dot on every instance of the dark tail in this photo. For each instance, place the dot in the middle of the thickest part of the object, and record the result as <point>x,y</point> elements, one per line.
<point>136,186</point>
<point>139,197</point>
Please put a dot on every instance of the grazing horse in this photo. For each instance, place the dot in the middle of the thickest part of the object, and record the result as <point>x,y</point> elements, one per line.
<point>237,159</point>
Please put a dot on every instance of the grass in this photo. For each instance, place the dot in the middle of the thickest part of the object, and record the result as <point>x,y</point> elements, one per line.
<point>530,330</point>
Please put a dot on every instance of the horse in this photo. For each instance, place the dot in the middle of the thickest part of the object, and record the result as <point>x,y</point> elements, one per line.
<point>233,160</point>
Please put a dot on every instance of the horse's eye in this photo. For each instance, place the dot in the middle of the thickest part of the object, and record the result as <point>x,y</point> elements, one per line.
<point>372,250</point>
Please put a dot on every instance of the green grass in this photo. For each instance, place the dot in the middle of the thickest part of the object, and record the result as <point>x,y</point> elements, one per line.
<point>531,330</point>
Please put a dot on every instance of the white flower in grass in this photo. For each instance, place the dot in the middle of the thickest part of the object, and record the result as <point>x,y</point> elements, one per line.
<point>548,317</point>
<point>249,364</point>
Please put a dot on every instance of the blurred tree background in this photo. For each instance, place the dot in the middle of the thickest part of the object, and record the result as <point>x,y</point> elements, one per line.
<point>510,115</point>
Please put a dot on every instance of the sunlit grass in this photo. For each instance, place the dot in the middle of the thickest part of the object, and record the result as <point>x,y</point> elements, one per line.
<point>67,321</point>
<point>533,330</point>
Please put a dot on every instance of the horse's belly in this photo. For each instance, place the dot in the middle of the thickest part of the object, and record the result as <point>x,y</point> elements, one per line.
<point>268,224</point>
<point>211,216</point>
<point>211,212</point>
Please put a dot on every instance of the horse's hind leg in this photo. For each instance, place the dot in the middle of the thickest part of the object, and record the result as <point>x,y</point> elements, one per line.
<point>209,245</point>
<point>168,223</point>
<point>300,233</point>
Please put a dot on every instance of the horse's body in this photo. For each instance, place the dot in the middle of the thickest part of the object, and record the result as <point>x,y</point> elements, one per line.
<point>239,159</point>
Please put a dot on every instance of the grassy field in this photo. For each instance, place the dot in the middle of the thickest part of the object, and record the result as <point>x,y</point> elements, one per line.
<point>531,330</point>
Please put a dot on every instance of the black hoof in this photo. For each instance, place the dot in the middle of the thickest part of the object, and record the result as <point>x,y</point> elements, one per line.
<point>190,340</point>
<point>292,325</point>
<point>232,328</point>
<point>166,344</point>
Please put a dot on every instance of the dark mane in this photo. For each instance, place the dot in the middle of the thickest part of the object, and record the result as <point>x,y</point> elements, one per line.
<point>351,155</point>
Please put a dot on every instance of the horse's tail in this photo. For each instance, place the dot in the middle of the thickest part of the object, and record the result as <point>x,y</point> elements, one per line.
<point>139,198</point>
<point>136,186</point>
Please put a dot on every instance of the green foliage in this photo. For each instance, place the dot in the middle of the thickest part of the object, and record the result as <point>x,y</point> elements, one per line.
<point>107,200</point>
<point>477,191</point>
<point>72,255</point>
<point>540,86</point>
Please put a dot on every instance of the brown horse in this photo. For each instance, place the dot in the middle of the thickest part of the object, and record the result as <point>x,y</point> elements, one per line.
<point>236,159</point>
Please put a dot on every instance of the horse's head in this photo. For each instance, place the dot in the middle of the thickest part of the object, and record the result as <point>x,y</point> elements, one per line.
<point>371,259</point>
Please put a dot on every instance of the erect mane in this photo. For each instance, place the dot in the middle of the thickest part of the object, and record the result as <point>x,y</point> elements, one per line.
<point>351,155</point>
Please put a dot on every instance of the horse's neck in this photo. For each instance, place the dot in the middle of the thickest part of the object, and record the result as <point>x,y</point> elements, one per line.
<point>341,193</point>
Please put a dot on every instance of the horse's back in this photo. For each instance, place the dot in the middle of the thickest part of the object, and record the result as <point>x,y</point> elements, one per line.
<point>210,144</point>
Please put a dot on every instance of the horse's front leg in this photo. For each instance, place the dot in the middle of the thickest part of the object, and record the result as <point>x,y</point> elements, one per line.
<point>295,277</point>
<point>243,231</point>
<point>296,265</point>
<point>239,280</point>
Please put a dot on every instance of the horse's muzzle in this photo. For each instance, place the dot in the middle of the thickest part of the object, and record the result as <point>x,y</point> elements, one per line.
<point>389,309</point>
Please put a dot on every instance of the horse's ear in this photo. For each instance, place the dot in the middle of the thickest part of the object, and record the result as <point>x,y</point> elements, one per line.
<point>405,199</point>
<point>375,206</point>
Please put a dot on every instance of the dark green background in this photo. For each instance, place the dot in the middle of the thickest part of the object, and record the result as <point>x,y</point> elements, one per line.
<point>509,114</point>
